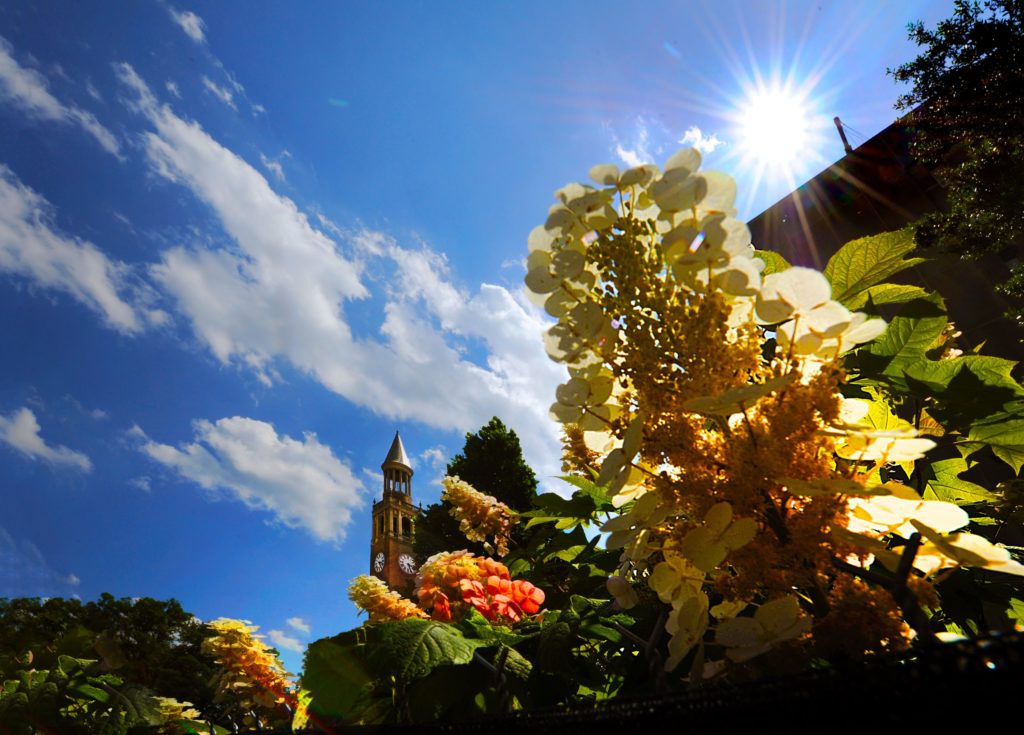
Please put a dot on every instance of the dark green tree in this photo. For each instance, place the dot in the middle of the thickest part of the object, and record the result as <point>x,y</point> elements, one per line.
<point>966,110</point>
<point>491,461</point>
<point>149,643</point>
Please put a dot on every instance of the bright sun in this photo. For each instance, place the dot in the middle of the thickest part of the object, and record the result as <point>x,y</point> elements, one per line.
<point>774,126</point>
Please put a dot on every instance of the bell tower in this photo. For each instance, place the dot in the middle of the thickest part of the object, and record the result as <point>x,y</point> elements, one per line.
<point>394,523</point>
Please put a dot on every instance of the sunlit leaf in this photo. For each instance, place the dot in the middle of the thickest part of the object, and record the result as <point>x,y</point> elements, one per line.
<point>773,262</point>
<point>885,293</point>
<point>1005,436</point>
<point>944,483</point>
<point>864,262</point>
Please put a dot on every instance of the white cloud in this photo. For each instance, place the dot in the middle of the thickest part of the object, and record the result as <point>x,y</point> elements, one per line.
<point>191,23</point>
<point>446,357</point>
<point>703,143</point>
<point>20,431</point>
<point>273,165</point>
<point>300,625</point>
<point>221,93</point>
<point>24,572</point>
<point>32,248</point>
<point>636,151</point>
<point>143,483</point>
<point>301,482</point>
<point>27,89</point>
<point>284,641</point>
<point>435,457</point>
<point>173,88</point>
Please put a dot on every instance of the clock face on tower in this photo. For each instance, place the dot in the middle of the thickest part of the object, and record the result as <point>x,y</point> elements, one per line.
<point>407,564</point>
<point>378,562</point>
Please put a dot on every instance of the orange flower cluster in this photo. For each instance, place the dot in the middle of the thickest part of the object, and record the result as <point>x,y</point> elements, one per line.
<point>252,676</point>
<point>453,582</point>
<point>373,596</point>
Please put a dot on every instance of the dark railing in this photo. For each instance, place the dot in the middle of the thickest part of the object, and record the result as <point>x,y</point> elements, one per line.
<point>944,684</point>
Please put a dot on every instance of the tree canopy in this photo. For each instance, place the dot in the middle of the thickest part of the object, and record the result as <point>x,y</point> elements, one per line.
<point>152,643</point>
<point>966,109</point>
<point>492,461</point>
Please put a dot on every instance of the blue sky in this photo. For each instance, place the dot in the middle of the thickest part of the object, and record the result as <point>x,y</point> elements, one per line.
<point>242,243</point>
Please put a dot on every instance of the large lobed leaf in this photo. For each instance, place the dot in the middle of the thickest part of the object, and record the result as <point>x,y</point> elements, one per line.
<point>910,335</point>
<point>867,261</point>
<point>966,389</point>
<point>412,648</point>
<point>1005,434</point>
<point>945,483</point>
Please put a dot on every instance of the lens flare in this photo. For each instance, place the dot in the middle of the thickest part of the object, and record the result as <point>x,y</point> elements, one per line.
<point>774,126</point>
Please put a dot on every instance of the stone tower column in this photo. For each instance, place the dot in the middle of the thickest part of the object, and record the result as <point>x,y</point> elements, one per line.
<point>394,520</point>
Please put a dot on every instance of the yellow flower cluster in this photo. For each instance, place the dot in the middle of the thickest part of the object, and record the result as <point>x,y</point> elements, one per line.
<point>172,712</point>
<point>480,516</point>
<point>741,480</point>
<point>373,596</point>
<point>252,677</point>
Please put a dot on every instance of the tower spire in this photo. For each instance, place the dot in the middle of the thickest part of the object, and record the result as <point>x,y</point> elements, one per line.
<point>397,458</point>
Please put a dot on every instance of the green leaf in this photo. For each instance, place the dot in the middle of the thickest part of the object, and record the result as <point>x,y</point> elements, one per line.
<point>1016,611</point>
<point>905,342</point>
<point>966,389</point>
<point>598,493</point>
<point>885,293</point>
<point>412,648</point>
<point>881,418</point>
<point>773,262</point>
<point>476,625</point>
<point>92,692</point>
<point>68,664</point>
<point>945,484</point>
<point>565,513</point>
<point>862,263</point>
<point>1005,436</point>
<point>340,680</point>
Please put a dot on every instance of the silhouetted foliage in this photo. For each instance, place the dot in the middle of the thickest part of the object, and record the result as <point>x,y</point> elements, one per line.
<point>491,461</point>
<point>966,111</point>
<point>150,643</point>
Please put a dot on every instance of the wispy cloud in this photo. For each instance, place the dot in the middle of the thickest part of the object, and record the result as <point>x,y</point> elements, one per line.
<point>28,90</point>
<point>280,293</point>
<point>434,457</point>
<point>189,22</point>
<point>31,247</point>
<point>281,640</point>
<point>173,89</point>
<point>300,481</point>
<point>703,143</point>
<point>25,572</point>
<point>223,94</point>
<point>300,625</point>
<point>273,165</point>
<point>635,150</point>
<point>21,431</point>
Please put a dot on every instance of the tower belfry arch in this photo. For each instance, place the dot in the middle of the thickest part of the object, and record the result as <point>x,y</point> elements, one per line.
<point>394,522</point>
